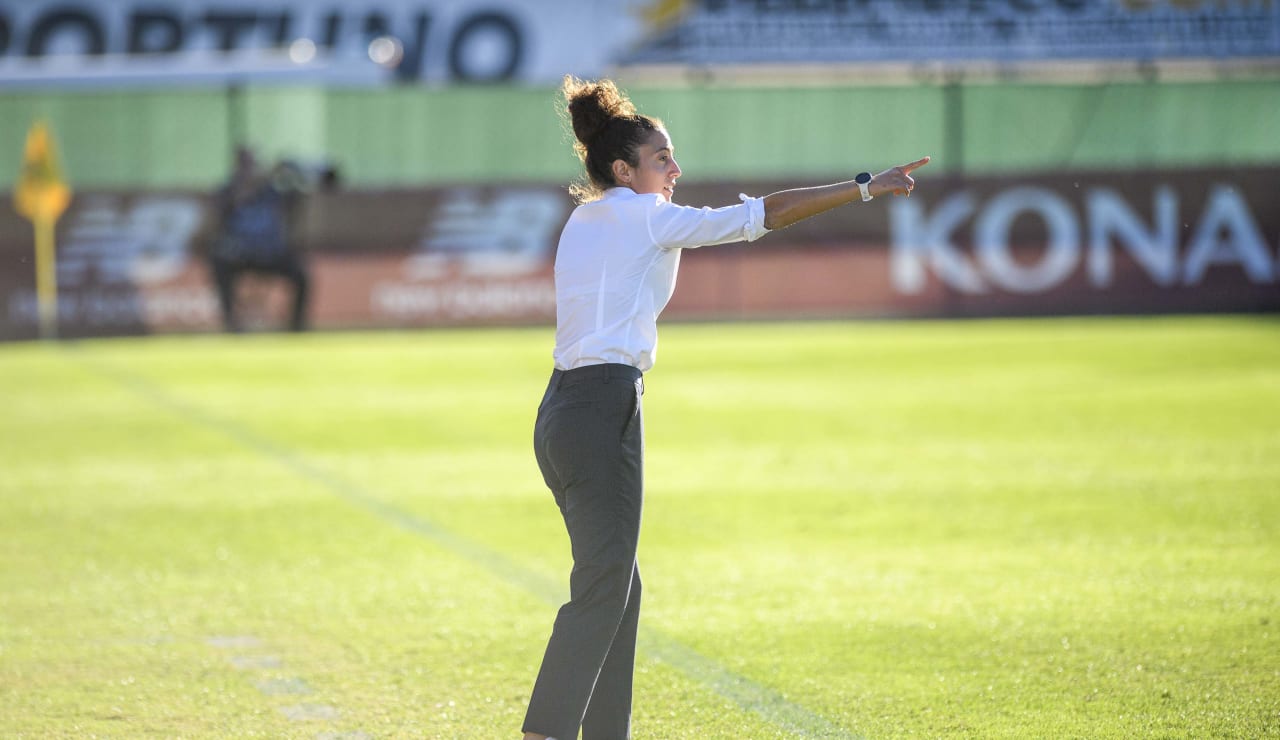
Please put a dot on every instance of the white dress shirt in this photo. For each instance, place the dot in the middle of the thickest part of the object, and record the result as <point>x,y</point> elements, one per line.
<point>616,269</point>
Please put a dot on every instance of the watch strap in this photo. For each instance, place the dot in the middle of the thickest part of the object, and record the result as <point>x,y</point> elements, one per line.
<point>864,185</point>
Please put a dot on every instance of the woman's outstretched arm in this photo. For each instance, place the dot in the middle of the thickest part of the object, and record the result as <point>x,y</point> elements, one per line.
<point>786,207</point>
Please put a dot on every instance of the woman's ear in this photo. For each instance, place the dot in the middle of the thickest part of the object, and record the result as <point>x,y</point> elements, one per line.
<point>621,172</point>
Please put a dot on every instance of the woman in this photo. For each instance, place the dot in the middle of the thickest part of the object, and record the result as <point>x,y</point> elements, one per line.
<point>615,270</point>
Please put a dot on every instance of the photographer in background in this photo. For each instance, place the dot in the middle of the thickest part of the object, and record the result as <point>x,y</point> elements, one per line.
<point>255,233</point>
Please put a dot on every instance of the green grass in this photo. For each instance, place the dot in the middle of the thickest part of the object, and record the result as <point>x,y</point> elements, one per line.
<point>1043,528</point>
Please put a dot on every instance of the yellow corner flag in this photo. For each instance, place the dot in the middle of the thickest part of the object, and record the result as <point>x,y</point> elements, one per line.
<point>41,195</point>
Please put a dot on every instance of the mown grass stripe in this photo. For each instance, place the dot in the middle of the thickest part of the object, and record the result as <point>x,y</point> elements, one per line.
<point>743,692</point>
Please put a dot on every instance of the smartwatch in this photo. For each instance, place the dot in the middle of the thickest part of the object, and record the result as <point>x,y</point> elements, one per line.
<point>864,179</point>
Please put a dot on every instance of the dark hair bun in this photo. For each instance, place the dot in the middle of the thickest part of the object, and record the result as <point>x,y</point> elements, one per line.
<point>592,105</point>
<point>605,128</point>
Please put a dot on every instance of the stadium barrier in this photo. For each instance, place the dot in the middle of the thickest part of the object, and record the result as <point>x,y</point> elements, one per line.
<point>1177,240</point>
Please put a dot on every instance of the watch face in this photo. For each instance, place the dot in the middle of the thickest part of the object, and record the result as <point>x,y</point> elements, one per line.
<point>863,178</point>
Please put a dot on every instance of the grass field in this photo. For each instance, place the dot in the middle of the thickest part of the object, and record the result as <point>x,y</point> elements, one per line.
<point>1039,528</point>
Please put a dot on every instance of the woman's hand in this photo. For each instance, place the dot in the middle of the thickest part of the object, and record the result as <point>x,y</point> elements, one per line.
<point>783,208</point>
<point>896,180</point>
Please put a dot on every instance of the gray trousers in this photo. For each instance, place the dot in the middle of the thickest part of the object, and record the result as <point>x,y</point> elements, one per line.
<point>589,441</point>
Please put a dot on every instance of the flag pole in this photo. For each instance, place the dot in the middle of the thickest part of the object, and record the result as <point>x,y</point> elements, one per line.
<point>41,195</point>
<point>46,278</point>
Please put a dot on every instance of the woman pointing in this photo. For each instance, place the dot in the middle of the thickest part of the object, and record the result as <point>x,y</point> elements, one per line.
<point>615,270</point>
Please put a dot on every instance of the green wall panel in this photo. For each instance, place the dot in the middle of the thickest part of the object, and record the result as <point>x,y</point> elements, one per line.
<point>283,122</point>
<point>407,136</point>
<point>418,135</point>
<point>122,139</point>
<point>806,132</point>
<point>1121,125</point>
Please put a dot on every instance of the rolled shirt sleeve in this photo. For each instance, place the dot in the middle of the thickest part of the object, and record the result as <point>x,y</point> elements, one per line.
<point>616,265</point>
<point>673,226</point>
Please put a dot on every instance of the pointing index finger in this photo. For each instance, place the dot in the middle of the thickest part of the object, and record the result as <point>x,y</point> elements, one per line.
<point>907,168</point>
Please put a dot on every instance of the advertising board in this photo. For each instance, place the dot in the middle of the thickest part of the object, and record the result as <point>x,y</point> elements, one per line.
<point>1100,242</point>
<point>520,41</point>
<point>200,41</point>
